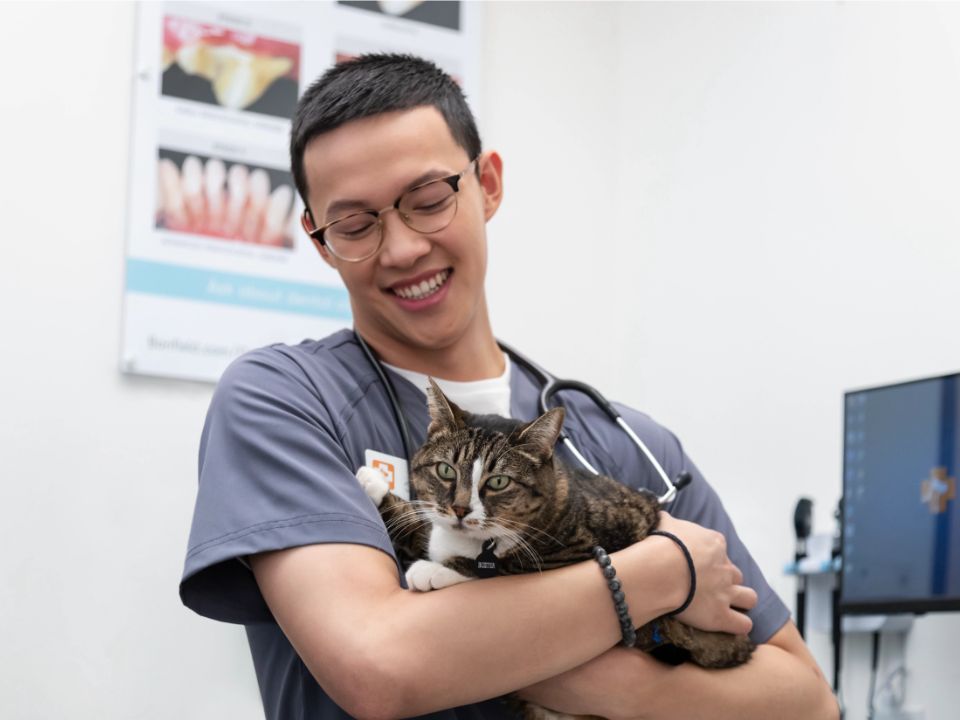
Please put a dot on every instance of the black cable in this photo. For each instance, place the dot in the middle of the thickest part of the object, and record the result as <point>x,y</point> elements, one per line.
<point>874,661</point>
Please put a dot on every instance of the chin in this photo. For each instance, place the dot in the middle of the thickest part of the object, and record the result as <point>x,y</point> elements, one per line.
<point>429,337</point>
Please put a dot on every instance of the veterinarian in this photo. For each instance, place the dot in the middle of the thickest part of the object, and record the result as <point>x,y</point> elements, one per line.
<point>286,542</point>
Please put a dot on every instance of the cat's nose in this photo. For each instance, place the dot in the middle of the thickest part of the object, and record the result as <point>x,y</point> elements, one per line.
<point>460,511</point>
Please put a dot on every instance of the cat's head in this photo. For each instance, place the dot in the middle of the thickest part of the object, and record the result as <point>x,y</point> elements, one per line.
<point>490,478</point>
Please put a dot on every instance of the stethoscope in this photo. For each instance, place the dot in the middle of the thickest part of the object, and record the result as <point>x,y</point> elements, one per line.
<point>550,386</point>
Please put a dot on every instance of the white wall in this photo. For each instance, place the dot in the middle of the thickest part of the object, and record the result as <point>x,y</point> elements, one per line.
<point>735,212</point>
<point>97,470</point>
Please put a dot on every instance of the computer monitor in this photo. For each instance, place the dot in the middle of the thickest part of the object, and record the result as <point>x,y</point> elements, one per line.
<point>900,521</point>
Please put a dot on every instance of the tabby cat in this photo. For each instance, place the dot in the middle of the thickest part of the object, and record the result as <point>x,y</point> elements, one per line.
<point>492,498</point>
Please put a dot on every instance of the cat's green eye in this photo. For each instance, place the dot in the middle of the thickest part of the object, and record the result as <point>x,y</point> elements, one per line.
<point>497,482</point>
<point>446,471</point>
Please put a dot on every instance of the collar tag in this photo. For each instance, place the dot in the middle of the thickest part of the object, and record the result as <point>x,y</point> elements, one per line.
<point>394,470</point>
<point>487,563</point>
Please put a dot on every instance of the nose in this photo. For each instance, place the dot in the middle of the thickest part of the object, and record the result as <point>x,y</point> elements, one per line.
<point>460,511</point>
<point>402,246</point>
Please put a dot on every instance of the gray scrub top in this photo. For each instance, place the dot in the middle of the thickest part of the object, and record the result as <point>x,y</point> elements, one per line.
<point>286,431</point>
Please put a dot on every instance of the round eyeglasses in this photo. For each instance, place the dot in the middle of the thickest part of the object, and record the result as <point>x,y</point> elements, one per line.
<point>426,208</point>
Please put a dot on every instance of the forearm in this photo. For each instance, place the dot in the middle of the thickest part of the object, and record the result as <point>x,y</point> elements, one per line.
<point>399,653</point>
<point>483,639</point>
<point>773,683</point>
<point>628,684</point>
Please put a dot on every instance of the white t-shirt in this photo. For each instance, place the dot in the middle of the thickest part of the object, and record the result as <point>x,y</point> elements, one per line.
<point>480,397</point>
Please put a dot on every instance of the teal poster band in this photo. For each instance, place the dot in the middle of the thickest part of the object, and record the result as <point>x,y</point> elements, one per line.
<point>202,285</point>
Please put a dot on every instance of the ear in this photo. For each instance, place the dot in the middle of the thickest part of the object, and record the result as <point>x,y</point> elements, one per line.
<point>543,432</point>
<point>490,166</point>
<point>308,225</point>
<point>444,415</point>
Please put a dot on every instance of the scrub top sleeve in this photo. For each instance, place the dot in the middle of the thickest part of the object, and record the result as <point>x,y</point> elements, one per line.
<point>273,475</point>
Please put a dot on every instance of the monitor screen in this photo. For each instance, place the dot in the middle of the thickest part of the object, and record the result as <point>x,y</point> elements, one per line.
<point>901,526</point>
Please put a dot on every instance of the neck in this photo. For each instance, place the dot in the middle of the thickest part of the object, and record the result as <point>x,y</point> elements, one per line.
<point>475,355</point>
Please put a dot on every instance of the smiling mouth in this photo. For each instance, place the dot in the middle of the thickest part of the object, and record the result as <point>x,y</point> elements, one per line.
<point>424,288</point>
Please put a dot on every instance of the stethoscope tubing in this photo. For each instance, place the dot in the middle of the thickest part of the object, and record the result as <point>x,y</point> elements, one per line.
<point>553,385</point>
<point>398,417</point>
<point>550,387</point>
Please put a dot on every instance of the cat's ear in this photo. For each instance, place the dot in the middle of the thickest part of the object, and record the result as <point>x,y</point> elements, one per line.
<point>543,432</point>
<point>444,415</point>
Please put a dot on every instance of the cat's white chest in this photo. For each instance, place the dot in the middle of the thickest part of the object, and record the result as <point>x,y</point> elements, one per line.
<point>446,543</point>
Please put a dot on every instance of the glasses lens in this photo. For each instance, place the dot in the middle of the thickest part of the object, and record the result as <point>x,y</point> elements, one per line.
<point>429,208</point>
<point>354,237</point>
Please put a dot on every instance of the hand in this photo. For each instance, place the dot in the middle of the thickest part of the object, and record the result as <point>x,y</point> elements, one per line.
<point>719,592</point>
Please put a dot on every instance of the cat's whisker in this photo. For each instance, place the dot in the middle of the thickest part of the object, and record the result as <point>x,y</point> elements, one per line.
<point>530,529</point>
<point>402,530</point>
<point>407,521</point>
<point>520,543</point>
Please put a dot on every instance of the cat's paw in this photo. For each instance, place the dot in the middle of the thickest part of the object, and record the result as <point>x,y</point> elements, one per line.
<point>426,575</point>
<point>374,484</point>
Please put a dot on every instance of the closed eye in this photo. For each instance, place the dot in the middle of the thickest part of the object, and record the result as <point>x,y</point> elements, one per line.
<point>433,207</point>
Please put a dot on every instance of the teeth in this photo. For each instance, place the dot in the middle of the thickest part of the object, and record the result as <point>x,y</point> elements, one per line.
<point>425,288</point>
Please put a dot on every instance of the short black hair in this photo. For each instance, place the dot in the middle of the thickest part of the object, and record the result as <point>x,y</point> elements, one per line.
<point>373,84</point>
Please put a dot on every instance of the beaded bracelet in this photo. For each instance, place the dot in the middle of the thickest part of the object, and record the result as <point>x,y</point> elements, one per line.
<point>627,632</point>
<point>693,572</point>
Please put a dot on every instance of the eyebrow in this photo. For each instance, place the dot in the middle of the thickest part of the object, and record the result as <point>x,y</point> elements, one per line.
<point>339,208</point>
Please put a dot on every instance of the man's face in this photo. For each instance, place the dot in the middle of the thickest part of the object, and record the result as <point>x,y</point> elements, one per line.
<point>367,164</point>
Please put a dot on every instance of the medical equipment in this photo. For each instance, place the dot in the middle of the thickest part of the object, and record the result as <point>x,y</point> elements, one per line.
<point>802,525</point>
<point>550,386</point>
<point>900,469</point>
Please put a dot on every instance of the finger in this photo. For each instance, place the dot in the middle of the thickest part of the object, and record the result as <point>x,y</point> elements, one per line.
<point>738,623</point>
<point>737,575</point>
<point>744,598</point>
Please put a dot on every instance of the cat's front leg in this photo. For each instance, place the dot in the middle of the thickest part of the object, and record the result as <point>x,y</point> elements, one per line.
<point>374,484</point>
<point>426,575</point>
<point>408,530</point>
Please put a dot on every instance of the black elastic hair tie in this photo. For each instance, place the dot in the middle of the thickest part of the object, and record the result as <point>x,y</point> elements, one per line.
<point>693,572</point>
<point>628,633</point>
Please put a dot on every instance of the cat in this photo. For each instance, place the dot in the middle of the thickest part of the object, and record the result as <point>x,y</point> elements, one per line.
<point>493,498</point>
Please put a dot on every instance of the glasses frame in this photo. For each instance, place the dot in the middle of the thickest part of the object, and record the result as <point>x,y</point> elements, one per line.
<point>317,232</point>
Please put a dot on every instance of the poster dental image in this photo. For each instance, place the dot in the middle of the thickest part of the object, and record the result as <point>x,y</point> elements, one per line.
<point>217,263</point>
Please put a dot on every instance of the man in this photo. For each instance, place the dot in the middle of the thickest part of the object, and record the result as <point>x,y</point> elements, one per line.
<point>285,541</point>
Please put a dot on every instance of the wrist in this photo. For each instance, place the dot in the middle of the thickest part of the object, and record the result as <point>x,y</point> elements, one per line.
<point>691,569</point>
<point>628,633</point>
<point>654,576</point>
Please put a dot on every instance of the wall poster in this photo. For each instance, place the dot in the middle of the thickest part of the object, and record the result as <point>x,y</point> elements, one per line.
<point>217,263</point>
